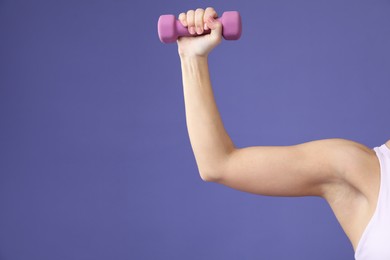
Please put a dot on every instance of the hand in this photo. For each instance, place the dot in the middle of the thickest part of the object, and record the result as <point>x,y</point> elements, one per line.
<point>197,22</point>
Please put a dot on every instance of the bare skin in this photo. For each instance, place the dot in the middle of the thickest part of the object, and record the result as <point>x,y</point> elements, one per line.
<point>343,172</point>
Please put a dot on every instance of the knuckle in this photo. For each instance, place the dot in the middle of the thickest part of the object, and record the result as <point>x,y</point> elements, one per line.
<point>210,9</point>
<point>190,12</point>
<point>182,16</point>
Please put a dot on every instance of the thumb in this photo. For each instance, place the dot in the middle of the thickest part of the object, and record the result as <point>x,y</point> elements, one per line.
<point>215,26</point>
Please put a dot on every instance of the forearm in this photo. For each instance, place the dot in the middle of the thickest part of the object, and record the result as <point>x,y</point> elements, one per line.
<point>209,140</point>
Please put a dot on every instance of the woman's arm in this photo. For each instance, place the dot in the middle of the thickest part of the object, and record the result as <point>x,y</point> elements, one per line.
<point>345,173</point>
<point>312,168</point>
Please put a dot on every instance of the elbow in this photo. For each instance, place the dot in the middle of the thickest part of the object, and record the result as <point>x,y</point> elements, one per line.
<point>216,172</point>
<point>210,176</point>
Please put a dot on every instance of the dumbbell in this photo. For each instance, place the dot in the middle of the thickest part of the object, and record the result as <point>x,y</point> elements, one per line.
<point>170,29</point>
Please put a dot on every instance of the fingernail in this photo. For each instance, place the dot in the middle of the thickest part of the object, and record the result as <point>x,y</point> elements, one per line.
<point>192,30</point>
<point>198,30</point>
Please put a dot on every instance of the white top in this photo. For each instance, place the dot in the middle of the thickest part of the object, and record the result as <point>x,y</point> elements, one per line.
<point>375,241</point>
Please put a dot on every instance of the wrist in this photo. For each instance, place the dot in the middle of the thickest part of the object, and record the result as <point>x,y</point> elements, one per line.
<point>193,57</point>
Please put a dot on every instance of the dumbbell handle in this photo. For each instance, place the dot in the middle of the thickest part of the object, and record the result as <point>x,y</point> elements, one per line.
<point>169,28</point>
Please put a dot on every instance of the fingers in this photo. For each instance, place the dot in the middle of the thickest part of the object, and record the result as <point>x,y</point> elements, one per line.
<point>196,20</point>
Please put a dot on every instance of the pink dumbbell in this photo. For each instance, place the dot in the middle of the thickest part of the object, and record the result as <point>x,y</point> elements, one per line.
<point>169,28</point>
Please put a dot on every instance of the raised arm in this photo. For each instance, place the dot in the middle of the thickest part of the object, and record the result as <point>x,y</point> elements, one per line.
<point>312,168</point>
<point>210,142</point>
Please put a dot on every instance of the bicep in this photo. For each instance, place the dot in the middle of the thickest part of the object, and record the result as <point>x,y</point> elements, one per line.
<point>297,170</point>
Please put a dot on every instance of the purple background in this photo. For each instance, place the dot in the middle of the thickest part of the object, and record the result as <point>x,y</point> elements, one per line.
<point>95,159</point>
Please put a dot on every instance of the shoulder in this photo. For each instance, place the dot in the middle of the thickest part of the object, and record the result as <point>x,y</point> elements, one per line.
<point>345,156</point>
<point>353,166</point>
<point>357,166</point>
